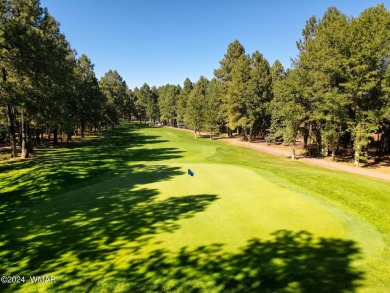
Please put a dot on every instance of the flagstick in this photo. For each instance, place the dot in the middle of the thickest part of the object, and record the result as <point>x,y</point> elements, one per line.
<point>188,175</point>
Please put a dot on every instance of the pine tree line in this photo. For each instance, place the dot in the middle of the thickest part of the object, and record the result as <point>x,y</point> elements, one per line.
<point>335,93</point>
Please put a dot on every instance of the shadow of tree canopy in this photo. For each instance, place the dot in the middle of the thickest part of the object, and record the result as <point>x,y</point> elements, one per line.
<point>76,164</point>
<point>288,262</point>
<point>75,235</point>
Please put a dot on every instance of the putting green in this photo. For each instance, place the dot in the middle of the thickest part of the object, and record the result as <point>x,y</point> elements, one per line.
<point>247,206</point>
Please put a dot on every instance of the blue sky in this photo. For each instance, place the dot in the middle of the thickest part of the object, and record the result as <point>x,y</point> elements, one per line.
<point>165,41</point>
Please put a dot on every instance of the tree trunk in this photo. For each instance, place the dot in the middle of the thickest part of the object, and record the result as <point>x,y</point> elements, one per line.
<point>20,133</point>
<point>306,137</point>
<point>11,130</point>
<point>11,121</point>
<point>378,144</point>
<point>230,132</point>
<point>24,147</point>
<point>357,156</point>
<point>195,133</point>
<point>333,153</point>
<point>30,141</point>
<point>386,144</point>
<point>68,136</point>
<point>319,140</point>
<point>211,134</point>
<point>55,136</point>
<point>82,130</point>
<point>263,128</point>
<point>37,137</point>
<point>292,152</point>
<point>251,134</point>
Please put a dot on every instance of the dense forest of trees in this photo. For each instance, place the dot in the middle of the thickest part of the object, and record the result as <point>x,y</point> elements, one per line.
<point>336,92</point>
<point>45,88</point>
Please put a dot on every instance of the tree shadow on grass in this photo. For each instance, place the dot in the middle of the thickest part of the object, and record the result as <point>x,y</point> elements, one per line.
<point>94,241</point>
<point>79,236</point>
<point>288,262</point>
<point>76,164</point>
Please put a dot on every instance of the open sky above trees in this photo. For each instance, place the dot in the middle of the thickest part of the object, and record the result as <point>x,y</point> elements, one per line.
<point>160,42</point>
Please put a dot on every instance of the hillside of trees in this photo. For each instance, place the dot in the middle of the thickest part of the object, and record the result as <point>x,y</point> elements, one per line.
<point>336,93</point>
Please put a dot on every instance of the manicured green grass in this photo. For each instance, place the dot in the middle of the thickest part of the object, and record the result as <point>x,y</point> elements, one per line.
<point>120,214</point>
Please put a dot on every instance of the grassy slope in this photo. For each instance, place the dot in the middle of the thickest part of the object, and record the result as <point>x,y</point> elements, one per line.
<point>360,203</point>
<point>82,213</point>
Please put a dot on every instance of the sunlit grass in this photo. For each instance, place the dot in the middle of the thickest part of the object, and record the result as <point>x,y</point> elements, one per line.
<point>119,213</point>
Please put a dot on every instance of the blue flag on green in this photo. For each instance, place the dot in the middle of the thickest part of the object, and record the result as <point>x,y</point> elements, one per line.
<point>190,172</point>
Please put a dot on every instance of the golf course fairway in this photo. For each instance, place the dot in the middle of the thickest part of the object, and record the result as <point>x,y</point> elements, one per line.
<point>119,213</point>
